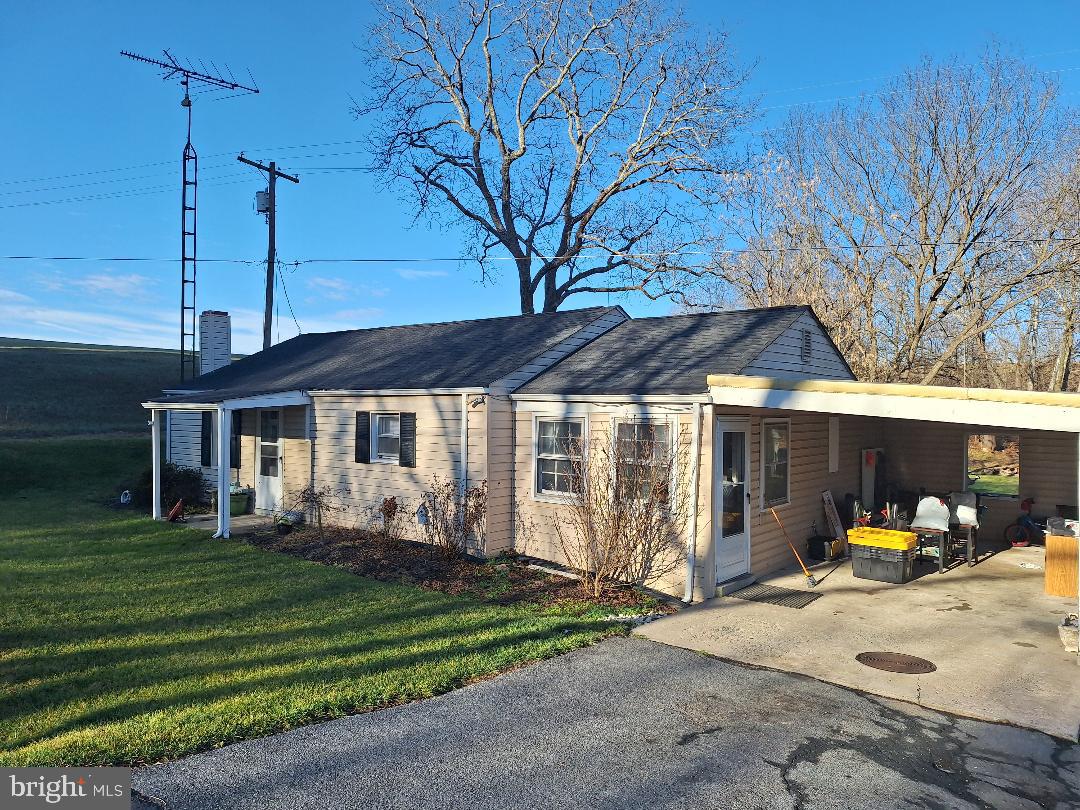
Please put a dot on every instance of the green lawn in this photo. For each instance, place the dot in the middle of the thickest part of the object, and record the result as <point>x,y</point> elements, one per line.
<point>996,485</point>
<point>128,641</point>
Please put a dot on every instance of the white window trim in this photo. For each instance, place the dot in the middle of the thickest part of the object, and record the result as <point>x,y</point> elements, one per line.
<point>673,438</point>
<point>373,439</point>
<point>537,493</point>
<point>967,442</point>
<point>761,463</point>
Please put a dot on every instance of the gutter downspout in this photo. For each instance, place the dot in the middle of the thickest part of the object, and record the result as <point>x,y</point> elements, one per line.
<point>464,477</point>
<point>691,540</point>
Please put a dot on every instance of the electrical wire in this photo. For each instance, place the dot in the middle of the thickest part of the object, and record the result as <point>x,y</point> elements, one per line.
<point>580,257</point>
<point>284,289</point>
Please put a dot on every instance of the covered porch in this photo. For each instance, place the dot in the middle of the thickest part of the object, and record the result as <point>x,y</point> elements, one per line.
<point>260,442</point>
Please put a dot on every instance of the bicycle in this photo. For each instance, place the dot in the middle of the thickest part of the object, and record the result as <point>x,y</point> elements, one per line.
<point>1026,529</point>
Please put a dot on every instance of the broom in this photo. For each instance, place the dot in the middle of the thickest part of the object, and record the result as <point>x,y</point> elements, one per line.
<point>810,581</point>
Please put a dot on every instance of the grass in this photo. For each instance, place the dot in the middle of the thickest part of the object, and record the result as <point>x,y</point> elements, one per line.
<point>996,485</point>
<point>126,641</point>
<point>57,387</point>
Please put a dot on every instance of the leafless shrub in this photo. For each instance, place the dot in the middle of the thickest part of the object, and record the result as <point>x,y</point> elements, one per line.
<point>320,501</point>
<point>630,508</point>
<point>454,519</point>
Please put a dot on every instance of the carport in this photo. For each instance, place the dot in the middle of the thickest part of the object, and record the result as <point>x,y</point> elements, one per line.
<point>990,629</point>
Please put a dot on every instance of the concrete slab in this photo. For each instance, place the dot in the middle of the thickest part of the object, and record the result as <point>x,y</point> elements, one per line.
<point>239,525</point>
<point>990,630</point>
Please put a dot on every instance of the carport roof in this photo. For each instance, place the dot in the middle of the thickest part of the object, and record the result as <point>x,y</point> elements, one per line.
<point>1031,410</point>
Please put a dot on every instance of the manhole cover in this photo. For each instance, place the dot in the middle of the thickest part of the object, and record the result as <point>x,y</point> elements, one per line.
<point>896,662</point>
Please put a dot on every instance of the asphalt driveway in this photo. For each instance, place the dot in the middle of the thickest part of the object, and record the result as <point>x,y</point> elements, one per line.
<point>632,723</point>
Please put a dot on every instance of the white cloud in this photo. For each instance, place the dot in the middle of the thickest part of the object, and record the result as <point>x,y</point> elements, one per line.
<point>412,275</point>
<point>45,322</point>
<point>11,295</point>
<point>329,288</point>
<point>131,285</point>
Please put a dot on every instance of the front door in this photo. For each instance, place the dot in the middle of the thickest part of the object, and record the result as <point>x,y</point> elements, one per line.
<point>731,497</point>
<point>268,467</point>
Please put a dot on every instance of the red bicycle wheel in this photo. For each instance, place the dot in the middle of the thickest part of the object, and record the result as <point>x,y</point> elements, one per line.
<point>1017,536</point>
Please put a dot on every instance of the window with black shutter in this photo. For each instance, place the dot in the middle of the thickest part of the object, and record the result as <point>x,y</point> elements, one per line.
<point>363,437</point>
<point>206,439</point>
<point>407,440</point>
<point>234,439</point>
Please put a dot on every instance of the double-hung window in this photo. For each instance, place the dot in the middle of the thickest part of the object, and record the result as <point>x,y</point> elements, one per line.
<point>775,460</point>
<point>642,459</point>
<point>386,437</point>
<point>558,455</point>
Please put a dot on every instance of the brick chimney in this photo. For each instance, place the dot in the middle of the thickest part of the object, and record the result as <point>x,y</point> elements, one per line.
<point>215,341</point>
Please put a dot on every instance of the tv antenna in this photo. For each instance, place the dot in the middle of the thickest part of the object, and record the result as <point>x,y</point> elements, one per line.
<point>209,79</point>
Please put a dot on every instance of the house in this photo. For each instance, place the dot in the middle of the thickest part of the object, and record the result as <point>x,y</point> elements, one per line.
<point>768,411</point>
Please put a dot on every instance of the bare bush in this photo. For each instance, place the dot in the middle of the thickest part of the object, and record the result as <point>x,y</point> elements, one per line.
<point>455,519</point>
<point>630,508</point>
<point>320,502</point>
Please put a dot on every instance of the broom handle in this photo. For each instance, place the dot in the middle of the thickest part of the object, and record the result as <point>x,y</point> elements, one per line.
<point>802,565</point>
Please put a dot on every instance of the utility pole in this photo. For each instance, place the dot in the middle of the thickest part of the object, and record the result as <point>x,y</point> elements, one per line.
<point>210,79</point>
<point>272,174</point>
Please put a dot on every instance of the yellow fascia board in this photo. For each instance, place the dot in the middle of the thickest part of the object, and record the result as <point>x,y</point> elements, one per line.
<point>1053,398</point>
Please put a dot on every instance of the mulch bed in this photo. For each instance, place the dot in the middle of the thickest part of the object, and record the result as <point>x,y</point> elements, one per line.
<point>505,580</point>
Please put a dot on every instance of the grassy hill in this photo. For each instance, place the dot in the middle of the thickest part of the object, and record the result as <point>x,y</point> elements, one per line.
<point>62,389</point>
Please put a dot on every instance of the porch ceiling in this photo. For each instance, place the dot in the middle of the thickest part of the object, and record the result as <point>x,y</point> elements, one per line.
<point>1029,410</point>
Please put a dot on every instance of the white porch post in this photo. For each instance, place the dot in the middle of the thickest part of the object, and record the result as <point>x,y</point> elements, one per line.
<point>224,432</point>
<point>155,454</point>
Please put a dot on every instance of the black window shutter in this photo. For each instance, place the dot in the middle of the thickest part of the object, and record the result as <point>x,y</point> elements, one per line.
<point>363,437</point>
<point>407,445</point>
<point>234,440</point>
<point>207,437</point>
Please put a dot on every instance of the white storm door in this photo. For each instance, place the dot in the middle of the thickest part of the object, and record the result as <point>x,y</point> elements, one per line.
<point>731,498</point>
<point>268,462</point>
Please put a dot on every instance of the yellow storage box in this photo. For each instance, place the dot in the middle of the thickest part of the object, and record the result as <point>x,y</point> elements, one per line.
<point>881,538</point>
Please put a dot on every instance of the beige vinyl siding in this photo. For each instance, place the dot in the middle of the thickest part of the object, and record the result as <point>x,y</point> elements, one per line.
<point>933,456</point>
<point>1048,469</point>
<point>534,528</point>
<point>185,436</point>
<point>295,453</point>
<point>438,452</point>
<point>783,357</point>
<point>808,465</point>
<point>499,433</point>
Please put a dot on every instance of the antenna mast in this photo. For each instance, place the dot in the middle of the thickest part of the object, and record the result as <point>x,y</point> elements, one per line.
<point>211,79</point>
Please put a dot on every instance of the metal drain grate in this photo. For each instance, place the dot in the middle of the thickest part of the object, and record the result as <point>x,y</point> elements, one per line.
<point>771,594</point>
<point>896,662</point>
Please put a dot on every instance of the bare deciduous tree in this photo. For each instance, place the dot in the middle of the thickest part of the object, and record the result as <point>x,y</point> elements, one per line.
<point>569,136</point>
<point>630,511</point>
<point>917,222</point>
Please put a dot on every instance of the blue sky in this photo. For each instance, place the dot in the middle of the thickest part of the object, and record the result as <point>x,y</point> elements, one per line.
<point>75,111</point>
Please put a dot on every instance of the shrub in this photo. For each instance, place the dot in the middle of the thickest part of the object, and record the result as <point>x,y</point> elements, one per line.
<point>626,520</point>
<point>177,483</point>
<point>454,519</point>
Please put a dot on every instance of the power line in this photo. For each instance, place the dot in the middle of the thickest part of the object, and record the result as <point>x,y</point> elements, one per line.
<point>582,257</point>
<point>112,195</point>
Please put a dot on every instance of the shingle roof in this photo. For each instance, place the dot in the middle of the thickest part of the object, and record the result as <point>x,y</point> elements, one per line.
<point>667,355</point>
<point>456,354</point>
